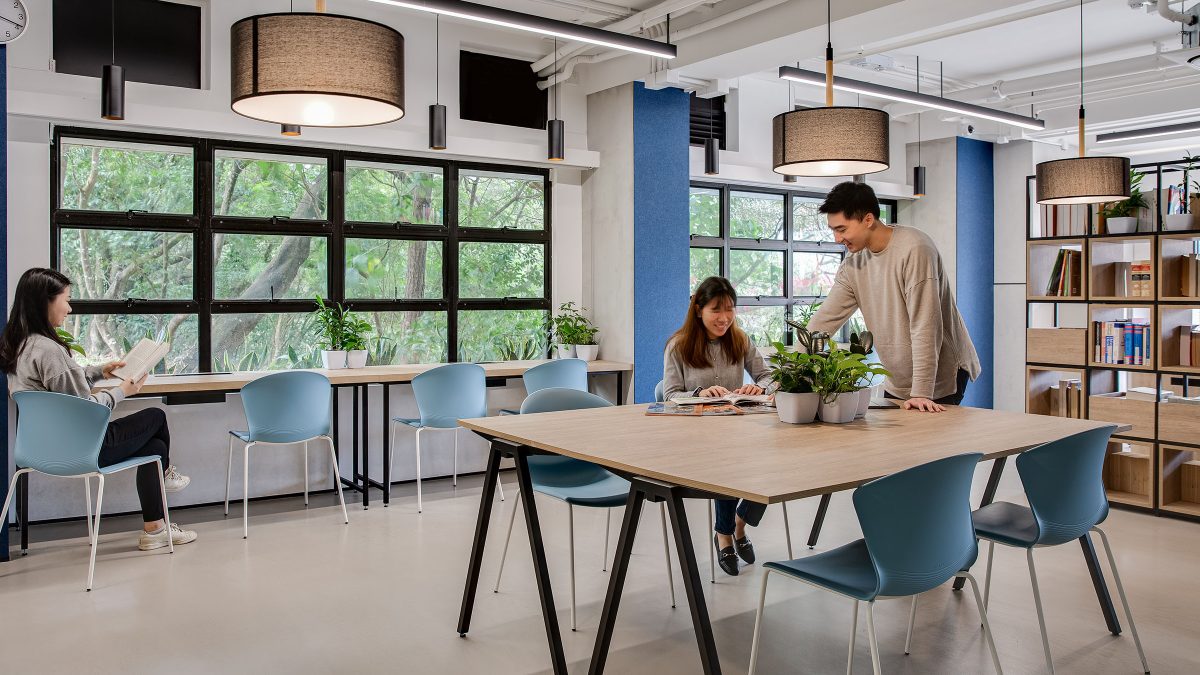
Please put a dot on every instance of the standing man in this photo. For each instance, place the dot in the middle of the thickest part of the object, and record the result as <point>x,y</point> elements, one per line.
<point>894,274</point>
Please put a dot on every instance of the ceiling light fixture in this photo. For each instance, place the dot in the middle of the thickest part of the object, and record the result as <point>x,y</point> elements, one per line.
<point>112,80</point>
<point>1151,132</point>
<point>437,111</point>
<point>537,24</point>
<point>556,130</point>
<point>289,130</point>
<point>919,169</point>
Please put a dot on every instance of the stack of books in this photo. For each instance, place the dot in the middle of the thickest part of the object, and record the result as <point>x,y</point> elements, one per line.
<point>1122,343</point>
<point>1064,220</point>
<point>1066,275</point>
<point>1189,346</point>
<point>1189,276</point>
<point>1066,399</point>
<point>1133,279</point>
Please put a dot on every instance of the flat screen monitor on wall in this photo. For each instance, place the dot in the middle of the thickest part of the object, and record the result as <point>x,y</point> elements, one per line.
<point>500,90</point>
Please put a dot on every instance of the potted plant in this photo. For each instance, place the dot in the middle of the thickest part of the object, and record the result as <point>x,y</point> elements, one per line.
<point>1186,218</point>
<point>862,342</point>
<point>573,334</point>
<point>839,377</point>
<point>1121,217</point>
<point>795,400</point>
<point>354,339</point>
<point>331,323</point>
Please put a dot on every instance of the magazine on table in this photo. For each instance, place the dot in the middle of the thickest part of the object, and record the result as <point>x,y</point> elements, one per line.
<point>711,407</point>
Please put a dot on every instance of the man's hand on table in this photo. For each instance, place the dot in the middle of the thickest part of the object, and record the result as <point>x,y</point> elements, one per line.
<point>922,405</point>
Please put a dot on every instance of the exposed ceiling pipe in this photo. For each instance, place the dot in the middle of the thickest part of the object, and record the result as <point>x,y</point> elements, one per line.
<point>1067,78</point>
<point>1165,11</point>
<point>1185,77</point>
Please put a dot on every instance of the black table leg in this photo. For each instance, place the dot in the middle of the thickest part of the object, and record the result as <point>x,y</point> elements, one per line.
<point>1106,604</point>
<point>620,387</point>
<point>989,495</point>
<point>358,485</point>
<point>23,496</point>
<point>497,451</point>
<point>366,445</point>
<point>387,446</point>
<point>616,579</point>
<point>691,582</point>
<point>819,520</point>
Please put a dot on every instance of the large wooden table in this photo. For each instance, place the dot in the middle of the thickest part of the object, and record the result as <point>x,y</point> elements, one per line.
<point>753,457</point>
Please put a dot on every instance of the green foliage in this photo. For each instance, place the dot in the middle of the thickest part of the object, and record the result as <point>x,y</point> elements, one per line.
<point>841,372</point>
<point>400,194</point>
<point>1129,207</point>
<point>805,313</point>
<point>492,335</point>
<point>704,213</point>
<point>1191,168</point>
<point>70,341</point>
<point>340,329</point>
<point>793,371</point>
<point>354,332</point>
<point>501,201</point>
<point>755,216</point>
<point>571,327</point>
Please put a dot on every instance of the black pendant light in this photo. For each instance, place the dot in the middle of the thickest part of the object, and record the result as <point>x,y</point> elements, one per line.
<point>289,129</point>
<point>437,111</point>
<point>555,129</point>
<point>830,141</point>
<point>919,169</point>
<point>1082,179</point>
<point>112,81</point>
<point>712,147</point>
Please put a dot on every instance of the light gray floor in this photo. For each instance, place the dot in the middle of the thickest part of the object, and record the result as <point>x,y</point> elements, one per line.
<point>307,594</point>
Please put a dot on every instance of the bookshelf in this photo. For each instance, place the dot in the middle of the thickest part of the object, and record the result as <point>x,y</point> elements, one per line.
<point>1134,285</point>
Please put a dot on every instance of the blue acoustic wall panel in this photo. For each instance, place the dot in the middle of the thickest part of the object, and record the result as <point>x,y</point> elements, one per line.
<point>976,254</point>
<point>660,228</point>
<point>4,279</point>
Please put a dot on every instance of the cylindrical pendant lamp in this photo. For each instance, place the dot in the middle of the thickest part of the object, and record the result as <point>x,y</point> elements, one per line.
<point>112,92</point>
<point>1083,180</point>
<point>316,70</point>
<point>712,157</point>
<point>437,127</point>
<point>834,141</point>
<point>918,181</point>
<point>556,131</point>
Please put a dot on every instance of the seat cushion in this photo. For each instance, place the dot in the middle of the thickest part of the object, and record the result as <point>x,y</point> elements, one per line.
<point>847,570</point>
<point>1006,523</point>
<point>608,492</point>
<point>243,435</point>
<point>128,464</point>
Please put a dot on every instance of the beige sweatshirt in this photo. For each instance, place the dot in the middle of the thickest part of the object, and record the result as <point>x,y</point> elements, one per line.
<point>43,365</point>
<point>907,304</point>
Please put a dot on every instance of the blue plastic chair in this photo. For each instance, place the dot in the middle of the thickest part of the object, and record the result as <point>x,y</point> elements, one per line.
<point>917,534</point>
<point>575,482</point>
<point>287,408</point>
<point>444,395</point>
<point>1064,484</point>
<point>60,435</point>
<point>559,373</point>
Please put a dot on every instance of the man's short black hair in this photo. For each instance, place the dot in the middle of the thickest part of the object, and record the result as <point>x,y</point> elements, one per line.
<point>852,200</point>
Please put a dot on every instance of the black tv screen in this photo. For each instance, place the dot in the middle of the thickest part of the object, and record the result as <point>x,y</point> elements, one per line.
<point>156,42</point>
<point>500,90</point>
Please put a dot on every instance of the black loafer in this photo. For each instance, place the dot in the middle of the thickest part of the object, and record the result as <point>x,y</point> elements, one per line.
<point>727,558</point>
<point>745,549</point>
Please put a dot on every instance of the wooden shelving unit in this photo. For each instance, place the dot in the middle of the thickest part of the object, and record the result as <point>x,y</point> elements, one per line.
<point>1156,464</point>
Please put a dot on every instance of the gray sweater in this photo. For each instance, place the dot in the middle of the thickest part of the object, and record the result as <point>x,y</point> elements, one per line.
<point>43,365</point>
<point>907,304</point>
<point>680,379</point>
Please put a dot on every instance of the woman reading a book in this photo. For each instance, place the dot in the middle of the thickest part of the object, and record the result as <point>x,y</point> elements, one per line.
<point>36,358</point>
<point>709,357</point>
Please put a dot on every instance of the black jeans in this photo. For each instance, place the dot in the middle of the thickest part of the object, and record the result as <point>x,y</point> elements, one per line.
<point>142,434</point>
<point>751,512</point>
<point>964,378</point>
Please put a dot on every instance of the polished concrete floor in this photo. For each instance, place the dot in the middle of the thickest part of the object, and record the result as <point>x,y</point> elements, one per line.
<point>307,594</point>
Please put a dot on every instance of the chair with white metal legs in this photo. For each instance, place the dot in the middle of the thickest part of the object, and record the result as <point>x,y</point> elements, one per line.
<point>560,373</point>
<point>60,435</point>
<point>444,395</point>
<point>917,535</point>
<point>1064,484</point>
<point>287,408</point>
<point>575,482</point>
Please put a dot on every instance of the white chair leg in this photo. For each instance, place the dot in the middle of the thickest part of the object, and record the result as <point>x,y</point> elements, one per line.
<point>337,476</point>
<point>787,531</point>
<point>306,473</point>
<point>12,490</point>
<point>417,451</point>
<point>987,579</point>
<point>987,629</point>
<point>912,618</point>
<point>508,537</point>
<point>96,531</point>
<point>666,549</point>
<point>762,600</point>
<point>853,636</point>
<point>162,488</point>
<point>228,473</point>
<point>871,637</point>
<point>454,476</point>
<point>1037,601</point>
<point>87,495</point>
<point>1112,563</point>
<point>712,559</point>
<point>246,490</point>
<point>607,529</point>
<point>571,537</point>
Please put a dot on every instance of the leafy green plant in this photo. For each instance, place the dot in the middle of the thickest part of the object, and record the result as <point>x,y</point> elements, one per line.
<point>354,332</point>
<point>793,371</point>
<point>841,372</point>
<point>571,327</point>
<point>330,322</point>
<point>1127,208</point>
<point>1191,169</point>
<point>805,313</point>
<point>521,347</point>
<point>70,341</point>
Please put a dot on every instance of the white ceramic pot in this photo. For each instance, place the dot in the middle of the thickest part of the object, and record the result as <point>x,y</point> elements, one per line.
<point>797,408</point>
<point>564,351</point>
<point>1179,222</point>
<point>587,352</point>
<point>1122,225</point>
<point>864,403</point>
<point>842,410</point>
<point>356,358</point>
<point>333,359</point>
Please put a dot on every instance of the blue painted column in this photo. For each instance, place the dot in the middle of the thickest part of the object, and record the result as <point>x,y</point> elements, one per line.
<point>976,256</point>
<point>660,228</point>
<point>4,281</point>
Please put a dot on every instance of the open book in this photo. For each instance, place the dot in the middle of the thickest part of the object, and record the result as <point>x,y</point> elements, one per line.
<point>140,360</point>
<point>742,400</point>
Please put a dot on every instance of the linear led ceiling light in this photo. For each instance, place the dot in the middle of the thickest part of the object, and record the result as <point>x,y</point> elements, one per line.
<point>1151,132</point>
<point>926,100</point>
<point>536,24</point>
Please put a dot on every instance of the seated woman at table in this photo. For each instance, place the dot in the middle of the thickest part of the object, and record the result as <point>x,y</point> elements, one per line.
<point>35,358</point>
<point>708,356</point>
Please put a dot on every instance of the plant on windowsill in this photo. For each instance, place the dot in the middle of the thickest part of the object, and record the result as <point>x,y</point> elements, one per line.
<point>354,339</point>
<point>573,334</point>
<point>331,323</point>
<point>793,372</point>
<point>1122,217</point>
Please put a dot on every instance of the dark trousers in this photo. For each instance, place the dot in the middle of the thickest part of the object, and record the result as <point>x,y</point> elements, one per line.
<point>964,378</point>
<point>142,434</point>
<point>751,512</point>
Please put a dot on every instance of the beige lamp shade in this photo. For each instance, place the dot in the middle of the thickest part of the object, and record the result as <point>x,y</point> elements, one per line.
<point>1083,180</point>
<point>316,70</point>
<point>831,141</point>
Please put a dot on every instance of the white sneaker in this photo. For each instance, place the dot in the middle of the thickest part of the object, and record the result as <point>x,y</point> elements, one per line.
<point>175,481</point>
<point>150,541</point>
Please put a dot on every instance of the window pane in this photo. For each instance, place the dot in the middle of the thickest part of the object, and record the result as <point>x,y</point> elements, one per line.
<point>705,263</point>
<point>106,337</point>
<point>756,272</point>
<point>764,325</point>
<point>265,342</point>
<point>393,269</point>
<point>261,186</point>
<point>406,337</point>
<point>119,264</point>
<point>502,335</point>
<point>755,216</point>
<point>813,273</point>
<point>393,193</point>
<point>501,200</point>
<point>103,176</point>
<point>491,270</point>
<point>704,209</point>
<point>266,266</point>
<point>807,223</point>
<point>886,215</point>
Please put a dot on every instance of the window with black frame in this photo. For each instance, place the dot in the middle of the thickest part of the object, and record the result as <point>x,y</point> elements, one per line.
<point>222,248</point>
<point>772,245</point>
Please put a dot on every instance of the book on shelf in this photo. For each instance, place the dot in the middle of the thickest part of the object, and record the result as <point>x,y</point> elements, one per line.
<point>1066,220</point>
<point>140,360</point>
<point>1066,399</point>
<point>1122,343</point>
<point>1189,275</point>
<point>1189,346</point>
<point>1067,274</point>
<point>1141,279</point>
<point>1121,279</point>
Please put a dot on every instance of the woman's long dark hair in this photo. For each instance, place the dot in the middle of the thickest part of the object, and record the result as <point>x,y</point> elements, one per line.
<point>691,340</point>
<point>30,314</point>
